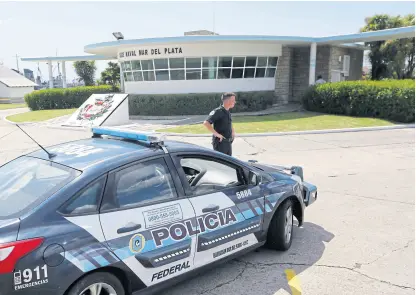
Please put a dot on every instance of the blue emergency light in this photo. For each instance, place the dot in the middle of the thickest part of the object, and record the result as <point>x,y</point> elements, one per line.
<point>127,134</point>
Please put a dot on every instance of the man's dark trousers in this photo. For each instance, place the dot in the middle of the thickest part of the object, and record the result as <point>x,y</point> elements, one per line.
<point>225,146</point>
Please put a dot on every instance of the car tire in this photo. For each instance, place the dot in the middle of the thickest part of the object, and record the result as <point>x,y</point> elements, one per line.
<point>106,280</point>
<point>280,233</point>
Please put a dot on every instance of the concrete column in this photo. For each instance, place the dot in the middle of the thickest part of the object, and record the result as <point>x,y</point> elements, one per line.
<point>121,79</point>
<point>50,74</point>
<point>63,75</point>
<point>283,82</point>
<point>312,64</point>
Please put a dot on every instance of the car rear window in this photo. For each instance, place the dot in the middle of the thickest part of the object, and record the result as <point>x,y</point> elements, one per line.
<point>26,181</point>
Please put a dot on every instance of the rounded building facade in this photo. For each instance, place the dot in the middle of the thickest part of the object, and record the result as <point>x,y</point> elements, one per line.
<point>197,67</point>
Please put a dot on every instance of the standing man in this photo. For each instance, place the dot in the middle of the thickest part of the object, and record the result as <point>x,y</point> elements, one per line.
<point>219,123</point>
<point>320,80</point>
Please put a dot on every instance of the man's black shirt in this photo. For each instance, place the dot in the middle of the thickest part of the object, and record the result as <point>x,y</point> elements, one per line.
<point>220,118</point>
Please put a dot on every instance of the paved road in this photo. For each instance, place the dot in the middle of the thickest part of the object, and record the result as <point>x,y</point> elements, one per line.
<point>358,237</point>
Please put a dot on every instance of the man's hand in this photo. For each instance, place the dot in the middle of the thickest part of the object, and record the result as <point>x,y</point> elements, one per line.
<point>219,136</point>
<point>216,134</point>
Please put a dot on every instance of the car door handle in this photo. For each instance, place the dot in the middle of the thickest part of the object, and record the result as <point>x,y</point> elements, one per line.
<point>128,228</point>
<point>210,208</point>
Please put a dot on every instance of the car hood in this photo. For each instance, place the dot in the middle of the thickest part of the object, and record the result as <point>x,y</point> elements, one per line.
<point>9,228</point>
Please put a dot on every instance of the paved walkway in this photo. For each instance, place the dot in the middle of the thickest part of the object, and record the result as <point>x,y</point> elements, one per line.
<point>358,237</point>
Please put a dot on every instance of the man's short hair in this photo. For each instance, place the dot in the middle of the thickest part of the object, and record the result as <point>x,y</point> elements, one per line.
<point>319,77</point>
<point>227,95</point>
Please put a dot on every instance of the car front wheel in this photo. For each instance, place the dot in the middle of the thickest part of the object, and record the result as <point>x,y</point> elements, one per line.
<point>99,283</point>
<point>279,236</point>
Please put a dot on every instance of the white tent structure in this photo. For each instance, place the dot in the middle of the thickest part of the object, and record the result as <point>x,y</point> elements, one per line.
<point>14,86</point>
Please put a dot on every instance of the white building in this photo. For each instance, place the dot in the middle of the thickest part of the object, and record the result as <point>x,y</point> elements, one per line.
<point>205,62</point>
<point>14,86</point>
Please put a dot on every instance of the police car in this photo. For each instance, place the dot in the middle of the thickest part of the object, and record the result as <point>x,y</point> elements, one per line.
<point>127,213</point>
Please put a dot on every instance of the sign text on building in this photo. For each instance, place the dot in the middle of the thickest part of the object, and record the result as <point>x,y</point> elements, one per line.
<point>155,51</point>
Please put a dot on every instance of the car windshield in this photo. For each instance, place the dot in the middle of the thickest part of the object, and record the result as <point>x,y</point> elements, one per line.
<point>25,182</point>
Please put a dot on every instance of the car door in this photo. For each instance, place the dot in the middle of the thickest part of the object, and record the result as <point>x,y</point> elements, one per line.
<point>229,210</point>
<point>146,220</point>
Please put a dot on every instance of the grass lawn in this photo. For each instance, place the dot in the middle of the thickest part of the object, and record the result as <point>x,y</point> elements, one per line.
<point>37,116</point>
<point>7,106</point>
<point>296,121</point>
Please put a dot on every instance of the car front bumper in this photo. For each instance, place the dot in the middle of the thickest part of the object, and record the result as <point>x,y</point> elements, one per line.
<point>310,193</point>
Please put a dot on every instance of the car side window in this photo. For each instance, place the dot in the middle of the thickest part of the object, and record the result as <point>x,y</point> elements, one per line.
<point>143,183</point>
<point>87,200</point>
<point>205,175</point>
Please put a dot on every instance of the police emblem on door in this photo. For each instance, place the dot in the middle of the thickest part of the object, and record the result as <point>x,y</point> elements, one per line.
<point>137,243</point>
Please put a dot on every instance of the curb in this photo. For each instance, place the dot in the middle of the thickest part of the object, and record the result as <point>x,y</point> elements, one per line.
<point>306,132</point>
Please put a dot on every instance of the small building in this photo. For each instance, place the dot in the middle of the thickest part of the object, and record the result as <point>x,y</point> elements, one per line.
<point>14,86</point>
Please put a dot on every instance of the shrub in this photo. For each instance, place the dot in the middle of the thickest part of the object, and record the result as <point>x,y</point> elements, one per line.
<point>195,104</point>
<point>68,98</point>
<point>391,99</point>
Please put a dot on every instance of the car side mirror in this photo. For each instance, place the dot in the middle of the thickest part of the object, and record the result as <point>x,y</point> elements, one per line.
<point>253,178</point>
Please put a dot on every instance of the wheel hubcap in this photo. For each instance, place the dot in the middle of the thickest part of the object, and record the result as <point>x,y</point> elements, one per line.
<point>289,222</point>
<point>99,289</point>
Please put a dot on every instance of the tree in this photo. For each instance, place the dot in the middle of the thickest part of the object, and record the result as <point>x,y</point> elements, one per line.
<point>111,75</point>
<point>392,58</point>
<point>85,71</point>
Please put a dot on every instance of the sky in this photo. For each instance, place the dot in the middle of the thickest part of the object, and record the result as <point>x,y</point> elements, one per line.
<point>38,29</point>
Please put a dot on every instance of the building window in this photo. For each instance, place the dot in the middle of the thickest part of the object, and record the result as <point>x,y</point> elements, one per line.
<point>193,74</point>
<point>176,63</point>
<point>225,62</point>
<point>210,73</point>
<point>177,74</point>
<point>147,65</point>
<point>148,75</point>
<point>162,75</point>
<point>197,68</point>
<point>193,63</point>
<point>224,73</point>
<point>135,65</point>
<point>161,64</point>
<point>209,62</point>
<point>138,76</point>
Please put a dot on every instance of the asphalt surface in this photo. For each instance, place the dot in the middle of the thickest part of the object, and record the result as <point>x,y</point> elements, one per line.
<point>358,237</point>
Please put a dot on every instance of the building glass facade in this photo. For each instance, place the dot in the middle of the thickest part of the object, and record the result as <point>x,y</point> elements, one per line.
<point>197,68</point>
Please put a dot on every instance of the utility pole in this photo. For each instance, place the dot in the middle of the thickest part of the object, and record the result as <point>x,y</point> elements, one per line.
<point>17,62</point>
<point>213,17</point>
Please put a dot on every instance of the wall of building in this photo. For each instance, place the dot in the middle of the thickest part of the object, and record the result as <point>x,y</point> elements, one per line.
<point>322,62</point>
<point>200,86</point>
<point>4,91</point>
<point>20,92</point>
<point>292,76</point>
<point>356,61</point>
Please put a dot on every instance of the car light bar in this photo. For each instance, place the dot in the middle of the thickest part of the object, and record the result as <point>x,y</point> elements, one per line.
<point>128,134</point>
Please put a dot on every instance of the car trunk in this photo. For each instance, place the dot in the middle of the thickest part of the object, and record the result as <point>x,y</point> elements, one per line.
<point>9,229</point>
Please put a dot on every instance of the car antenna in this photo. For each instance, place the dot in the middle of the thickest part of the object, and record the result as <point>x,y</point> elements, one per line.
<point>50,155</point>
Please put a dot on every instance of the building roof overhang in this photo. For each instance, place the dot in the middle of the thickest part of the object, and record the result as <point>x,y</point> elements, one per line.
<point>108,50</point>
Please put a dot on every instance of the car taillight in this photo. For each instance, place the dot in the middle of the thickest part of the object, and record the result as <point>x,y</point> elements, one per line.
<point>10,253</point>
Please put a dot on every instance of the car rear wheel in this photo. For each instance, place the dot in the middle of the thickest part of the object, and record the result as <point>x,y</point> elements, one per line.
<point>279,236</point>
<point>99,283</point>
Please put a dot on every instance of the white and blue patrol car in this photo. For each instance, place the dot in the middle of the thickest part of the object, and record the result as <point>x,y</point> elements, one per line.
<point>125,213</point>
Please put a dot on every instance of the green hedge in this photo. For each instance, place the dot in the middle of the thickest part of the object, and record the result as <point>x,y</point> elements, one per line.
<point>58,98</point>
<point>195,104</point>
<point>392,99</point>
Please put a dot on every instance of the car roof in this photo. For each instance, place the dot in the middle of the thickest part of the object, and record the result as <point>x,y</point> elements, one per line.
<point>96,152</point>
